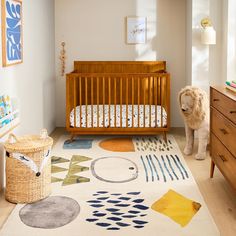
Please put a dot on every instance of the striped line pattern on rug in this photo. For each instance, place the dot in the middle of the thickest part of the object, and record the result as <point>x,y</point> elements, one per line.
<point>163,168</point>
<point>154,144</point>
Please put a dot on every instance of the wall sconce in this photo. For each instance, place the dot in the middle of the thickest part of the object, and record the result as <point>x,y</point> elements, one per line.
<point>208,34</point>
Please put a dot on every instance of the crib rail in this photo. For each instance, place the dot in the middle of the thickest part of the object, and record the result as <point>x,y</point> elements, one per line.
<point>117,102</point>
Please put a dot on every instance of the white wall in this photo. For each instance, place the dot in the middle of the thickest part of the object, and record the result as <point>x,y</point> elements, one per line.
<point>200,52</point>
<point>231,40</point>
<point>224,38</point>
<point>95,30</point>
<point>188,42</point>
<point>216,72</point>
<point>33,81</point>
<point>206,63</point>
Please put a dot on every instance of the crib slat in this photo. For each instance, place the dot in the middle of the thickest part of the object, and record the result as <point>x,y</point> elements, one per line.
<point>132,102</point>
<point>109,101</point>
<point>103,100</point>
<point>161,100</point>
<point>144,102</point>
<point>69,105</point>
<point>74,88</point>
<point>149,95</point>
<point>127,102</point>
<point>167,105</point>
<point>97,101</point>
<point>86,101</point>
<point>138,101</point>
<point>155,97</point>
<point>120,101</point>
<point>166,98</point>
<point>92,98</point>
<point>80,101</point>
<point>115,100</point>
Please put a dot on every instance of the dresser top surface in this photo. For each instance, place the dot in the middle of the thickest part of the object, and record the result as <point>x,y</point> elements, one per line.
<point>225,91</point>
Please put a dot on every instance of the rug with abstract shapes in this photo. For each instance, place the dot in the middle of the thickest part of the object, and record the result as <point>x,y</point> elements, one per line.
<point>145,190</point>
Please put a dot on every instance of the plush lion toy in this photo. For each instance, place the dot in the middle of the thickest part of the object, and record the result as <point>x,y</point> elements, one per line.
<point>194,107</point>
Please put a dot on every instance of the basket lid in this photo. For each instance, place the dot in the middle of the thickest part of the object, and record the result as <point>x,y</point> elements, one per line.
<point>28,143</point>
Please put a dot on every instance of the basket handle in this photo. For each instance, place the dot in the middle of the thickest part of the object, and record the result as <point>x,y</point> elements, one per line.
<point>12,138</point>
<point>43,134</point>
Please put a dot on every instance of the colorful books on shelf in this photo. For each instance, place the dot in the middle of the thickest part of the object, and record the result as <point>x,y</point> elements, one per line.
<point>6,115</point>
<point>231,85</point>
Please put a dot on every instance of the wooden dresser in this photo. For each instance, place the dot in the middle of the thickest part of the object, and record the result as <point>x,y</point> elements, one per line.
<point>223,133</point>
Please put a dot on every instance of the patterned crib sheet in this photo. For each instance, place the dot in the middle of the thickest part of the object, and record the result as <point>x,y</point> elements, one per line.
<point>117,112</point>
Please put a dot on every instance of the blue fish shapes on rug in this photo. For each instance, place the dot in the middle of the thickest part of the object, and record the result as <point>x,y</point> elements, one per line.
<point>115,211</point>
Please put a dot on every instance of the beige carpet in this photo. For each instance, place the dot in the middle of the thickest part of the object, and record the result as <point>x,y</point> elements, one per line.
<point>122,187</point>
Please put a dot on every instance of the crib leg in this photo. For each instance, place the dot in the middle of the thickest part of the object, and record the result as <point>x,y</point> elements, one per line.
<point>72,137</point>
<point>165,137</point>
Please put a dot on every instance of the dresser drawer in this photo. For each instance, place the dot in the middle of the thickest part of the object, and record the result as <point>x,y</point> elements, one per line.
<point>223,104</point>
<point>224,129</point>
<point>224,160</point>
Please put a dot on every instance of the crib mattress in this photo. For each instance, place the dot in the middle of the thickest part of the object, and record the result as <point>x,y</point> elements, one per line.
<point>124,118</point>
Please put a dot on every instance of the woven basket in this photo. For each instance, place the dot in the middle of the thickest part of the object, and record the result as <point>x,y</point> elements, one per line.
<point>28,177</point>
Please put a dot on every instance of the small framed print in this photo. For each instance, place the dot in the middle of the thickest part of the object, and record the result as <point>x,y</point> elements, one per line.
<point>136,29</point>
<point>12,42</point>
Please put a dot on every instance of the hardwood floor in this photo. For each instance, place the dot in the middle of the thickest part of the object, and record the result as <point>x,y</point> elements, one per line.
<point>219,196</point>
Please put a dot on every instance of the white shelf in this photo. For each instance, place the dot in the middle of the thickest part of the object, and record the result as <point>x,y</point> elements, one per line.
<point>14,113</point>
<point>13,124</point>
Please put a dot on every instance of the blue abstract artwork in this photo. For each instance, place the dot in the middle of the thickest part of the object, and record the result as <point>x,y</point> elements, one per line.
<point>12,32</point>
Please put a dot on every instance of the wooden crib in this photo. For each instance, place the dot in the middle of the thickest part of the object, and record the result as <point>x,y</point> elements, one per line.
<point>118,98</point>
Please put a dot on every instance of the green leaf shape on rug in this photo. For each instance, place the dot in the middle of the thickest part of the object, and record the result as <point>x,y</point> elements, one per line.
<point>56,169</point>
<point>55,180</point>
<point>74,179</point>
<point>57,160</point>
<point>78,159</point>
<point>76,169</point>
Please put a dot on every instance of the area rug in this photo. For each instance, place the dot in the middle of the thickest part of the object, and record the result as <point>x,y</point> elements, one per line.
<point>119,186</point>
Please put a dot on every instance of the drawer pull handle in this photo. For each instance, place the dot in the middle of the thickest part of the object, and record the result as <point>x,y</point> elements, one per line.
<point>232,112</point>
<point>223,131</point>
<point>222,158</point>
<point>216,100</point>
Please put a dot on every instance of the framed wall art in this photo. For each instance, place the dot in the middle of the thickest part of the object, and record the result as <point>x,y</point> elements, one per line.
<point>136,29</point>
<point>12,40</point>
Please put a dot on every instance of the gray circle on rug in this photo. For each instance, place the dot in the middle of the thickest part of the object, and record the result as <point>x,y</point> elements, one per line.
<point>117,169</point>
<point>50,213</point>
